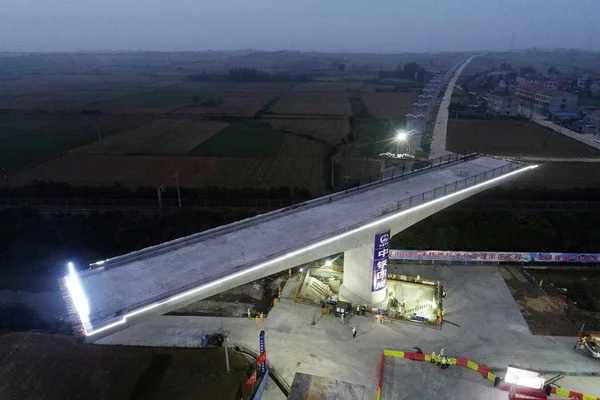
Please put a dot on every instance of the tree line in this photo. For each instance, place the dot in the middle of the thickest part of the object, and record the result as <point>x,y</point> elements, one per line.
<point>244,74</point>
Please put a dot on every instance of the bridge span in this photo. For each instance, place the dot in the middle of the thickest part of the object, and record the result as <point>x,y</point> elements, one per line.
<point>119,292</point>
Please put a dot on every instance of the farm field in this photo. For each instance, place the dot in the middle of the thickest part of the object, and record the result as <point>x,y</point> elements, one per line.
<point>317,87</point>
<point>299,163</point>
<point>514,138</point>
<point>389,104</point>
<point>348,168</point>
<point>157,101</point>
<point>243,106</point>
<point>326,104</point>
<point>52,367</point>
<point>26,140</point>
<point>162,136</point>
<point>330,130</point>
<point>242,139</point>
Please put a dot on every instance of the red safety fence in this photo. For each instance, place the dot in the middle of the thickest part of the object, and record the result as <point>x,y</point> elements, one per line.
<point>484,371</point>
<point>380,382</point>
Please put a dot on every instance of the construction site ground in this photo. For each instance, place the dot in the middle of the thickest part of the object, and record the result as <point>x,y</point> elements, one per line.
<point>483,324</point>
<point>561,304</point>
<point>256,296</point>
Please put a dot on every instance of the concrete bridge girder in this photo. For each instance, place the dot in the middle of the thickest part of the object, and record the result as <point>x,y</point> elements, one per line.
<point>357,278</point>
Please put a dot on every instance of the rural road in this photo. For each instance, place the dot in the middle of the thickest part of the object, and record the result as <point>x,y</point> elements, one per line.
<point>438,143</point>
<point>586,139</point>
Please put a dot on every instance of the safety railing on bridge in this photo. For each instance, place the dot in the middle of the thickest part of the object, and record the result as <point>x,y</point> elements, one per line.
<point>405,169</point>
<point>447,189</point>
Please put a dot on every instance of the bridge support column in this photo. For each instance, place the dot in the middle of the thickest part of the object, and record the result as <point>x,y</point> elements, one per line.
<point>358,277</point>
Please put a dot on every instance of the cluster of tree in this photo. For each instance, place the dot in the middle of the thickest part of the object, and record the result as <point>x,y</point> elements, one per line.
<point>504,231</point>
<point>528,70</point>
<point>411,71</point>
<point>244,74</point>
<point>57,189</point>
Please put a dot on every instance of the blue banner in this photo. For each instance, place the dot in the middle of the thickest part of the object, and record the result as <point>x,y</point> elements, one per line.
<point>566,257</point>
<point>380,260</point>
<point>492,256</point>
<point>261,346</point>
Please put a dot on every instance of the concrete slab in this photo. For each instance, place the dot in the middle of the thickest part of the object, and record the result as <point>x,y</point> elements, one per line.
<point>487,328</point>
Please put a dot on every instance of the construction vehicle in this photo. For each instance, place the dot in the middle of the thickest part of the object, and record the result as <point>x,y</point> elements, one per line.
<point>589,341</point>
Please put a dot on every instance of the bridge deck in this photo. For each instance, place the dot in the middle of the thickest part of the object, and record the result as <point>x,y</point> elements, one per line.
<point>126,284</point>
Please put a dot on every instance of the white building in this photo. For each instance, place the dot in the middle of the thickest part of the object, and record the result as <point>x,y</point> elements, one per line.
<point>502,103</point>
<point>548,83</point>
<point>535,99</point>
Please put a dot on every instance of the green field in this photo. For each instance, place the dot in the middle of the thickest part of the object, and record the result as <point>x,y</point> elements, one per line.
<point>242,140</point>
<point>26,140</point>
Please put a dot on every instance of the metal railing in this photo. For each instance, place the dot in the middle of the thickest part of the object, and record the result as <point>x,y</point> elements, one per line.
<point>447,189</point>
<point>404,170</point>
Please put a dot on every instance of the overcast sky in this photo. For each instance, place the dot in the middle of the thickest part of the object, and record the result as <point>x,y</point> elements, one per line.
<point>326,25</point>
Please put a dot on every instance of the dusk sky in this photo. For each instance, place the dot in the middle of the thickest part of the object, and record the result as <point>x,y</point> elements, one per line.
<point>325,25</point>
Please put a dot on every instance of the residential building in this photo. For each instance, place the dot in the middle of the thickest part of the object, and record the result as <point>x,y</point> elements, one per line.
<point>538,100</point>
<point>546,82</point>
<point>502,103</point>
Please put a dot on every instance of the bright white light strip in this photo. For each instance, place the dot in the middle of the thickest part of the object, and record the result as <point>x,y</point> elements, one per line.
<point>522,377</point>
<point>77,294</point>
<point>299,251</point>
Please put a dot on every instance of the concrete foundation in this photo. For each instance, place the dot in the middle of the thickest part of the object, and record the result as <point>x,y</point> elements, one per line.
<point>358,277</point>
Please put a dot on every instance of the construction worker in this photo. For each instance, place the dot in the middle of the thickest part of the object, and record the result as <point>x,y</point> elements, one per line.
<point>249,314</point>
<point>442,353</point>
<point>432,358</point>
<point>445,363</point>
<point>438,359</point>
<point>353,332</point>
<point>358,309</point>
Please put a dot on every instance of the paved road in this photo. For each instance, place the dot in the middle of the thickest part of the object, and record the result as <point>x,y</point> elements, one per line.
<point>586,139</point>
<point>438,144</point>
<point>487,327</point>
<point>559,159</point>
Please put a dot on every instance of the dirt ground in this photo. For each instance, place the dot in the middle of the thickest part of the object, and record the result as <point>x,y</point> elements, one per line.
<point>547,309</point>
<point>514,138</point>
<point>579,288</point>
<point>257,296</point>
<point>42,366</point>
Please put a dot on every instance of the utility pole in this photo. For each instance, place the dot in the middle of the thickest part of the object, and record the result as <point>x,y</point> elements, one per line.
<point>226,345</point>
<point>164,186</point>
<point>178,191</point>
<point>98,133</point>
